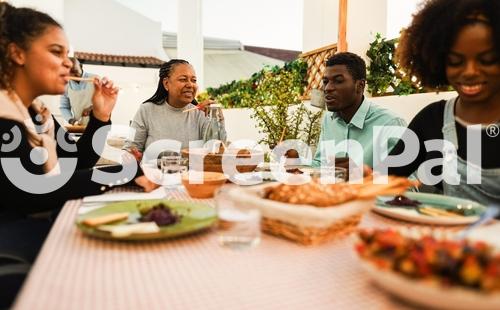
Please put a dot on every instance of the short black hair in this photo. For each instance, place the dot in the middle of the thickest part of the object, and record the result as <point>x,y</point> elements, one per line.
<point>424,46</point>
<point>355,64</point>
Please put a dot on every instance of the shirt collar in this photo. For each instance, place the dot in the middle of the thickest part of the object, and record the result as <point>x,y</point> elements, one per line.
<point>172,108</point>
<point>359,117</point>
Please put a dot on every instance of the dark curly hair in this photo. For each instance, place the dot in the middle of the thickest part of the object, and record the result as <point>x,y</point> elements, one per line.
<point>355,64</point>
<point>425,44</point>
<point>19,26</point>
<point>165,71</point>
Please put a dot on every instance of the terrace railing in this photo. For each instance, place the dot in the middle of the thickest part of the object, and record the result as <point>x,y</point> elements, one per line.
<point>316,63</point>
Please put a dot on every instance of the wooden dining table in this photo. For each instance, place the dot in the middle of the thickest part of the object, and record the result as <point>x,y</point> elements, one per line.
<point>74,271</point>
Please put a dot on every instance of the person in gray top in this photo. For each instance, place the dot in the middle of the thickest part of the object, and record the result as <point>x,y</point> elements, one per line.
<point>162,116</point>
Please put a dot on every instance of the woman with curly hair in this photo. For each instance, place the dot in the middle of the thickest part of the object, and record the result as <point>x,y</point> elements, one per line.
<point>456,43</point>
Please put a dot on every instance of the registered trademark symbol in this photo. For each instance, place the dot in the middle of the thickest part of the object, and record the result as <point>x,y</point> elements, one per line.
<point>492,130</point>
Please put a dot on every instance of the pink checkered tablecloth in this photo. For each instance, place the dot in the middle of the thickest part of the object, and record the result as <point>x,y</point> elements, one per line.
<point>77,272</point>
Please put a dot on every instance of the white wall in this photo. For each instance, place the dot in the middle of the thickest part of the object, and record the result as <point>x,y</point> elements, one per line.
<point>107,27</point>
<point>408,106</point>
<point>364,20</point>
<point>136,85</point>
<point>55,8</point>
<point>239,125</point>
<point>320,24</point>
<point>399,15</point>
<point>190,35</point>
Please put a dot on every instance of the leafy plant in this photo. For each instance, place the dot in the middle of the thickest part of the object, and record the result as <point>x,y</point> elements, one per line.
<point>236,94</point>
<point>383,73</point>
<point>277,108</point>
<point>274,95</point>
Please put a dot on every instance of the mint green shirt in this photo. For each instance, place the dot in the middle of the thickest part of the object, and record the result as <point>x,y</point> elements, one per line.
<point>361,128</point>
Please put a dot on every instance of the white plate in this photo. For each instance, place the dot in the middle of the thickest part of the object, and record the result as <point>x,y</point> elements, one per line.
<point>437,201</point>
<point>430,295</point>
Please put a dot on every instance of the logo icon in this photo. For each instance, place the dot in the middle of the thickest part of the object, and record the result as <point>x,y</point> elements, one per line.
<point>492,130</point>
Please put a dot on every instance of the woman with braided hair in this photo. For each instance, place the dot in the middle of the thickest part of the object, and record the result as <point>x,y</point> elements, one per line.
<point>162,116</point>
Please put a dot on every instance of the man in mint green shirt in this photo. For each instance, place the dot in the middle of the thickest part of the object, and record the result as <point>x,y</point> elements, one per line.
<point>351,116</point>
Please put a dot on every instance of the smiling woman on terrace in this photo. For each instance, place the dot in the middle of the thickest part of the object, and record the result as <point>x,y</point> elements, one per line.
<point>42,166</point>
<point>162,116</point>
<point>457,43</point>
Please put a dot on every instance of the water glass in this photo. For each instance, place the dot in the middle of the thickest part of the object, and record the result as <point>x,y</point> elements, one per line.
<point>171,169</point>
<point>238,223</point>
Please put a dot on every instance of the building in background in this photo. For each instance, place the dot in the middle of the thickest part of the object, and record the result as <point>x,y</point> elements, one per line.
<point>224,60</point>
<point>126,46</point>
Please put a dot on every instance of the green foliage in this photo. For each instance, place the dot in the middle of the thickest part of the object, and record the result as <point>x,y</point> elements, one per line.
<point>274,95</point>
<point>237,94</point>
<point>277,106</point>
<point>383,72</point>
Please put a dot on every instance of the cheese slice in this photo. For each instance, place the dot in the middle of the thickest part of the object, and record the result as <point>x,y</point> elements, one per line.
<point>105,219</point>
<point>120,231</point>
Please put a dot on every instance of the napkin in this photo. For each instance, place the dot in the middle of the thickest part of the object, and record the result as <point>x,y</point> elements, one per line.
<point>158,193</point>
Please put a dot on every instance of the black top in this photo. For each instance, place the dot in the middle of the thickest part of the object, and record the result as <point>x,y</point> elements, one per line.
<point>16,202</point>
<point>428,125</point>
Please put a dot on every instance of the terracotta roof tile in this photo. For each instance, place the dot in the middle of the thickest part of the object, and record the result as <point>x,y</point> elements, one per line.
<point>118,60</point>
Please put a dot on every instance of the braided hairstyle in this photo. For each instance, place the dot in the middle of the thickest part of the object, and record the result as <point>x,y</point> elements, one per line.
<point>425,44</point>
<point>165,71</point>
<point>19,26</point>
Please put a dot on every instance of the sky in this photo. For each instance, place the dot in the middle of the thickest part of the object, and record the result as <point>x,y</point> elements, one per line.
<point>267,23</point>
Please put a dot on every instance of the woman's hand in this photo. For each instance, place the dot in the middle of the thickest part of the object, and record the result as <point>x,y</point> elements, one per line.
<point>131,155</point>
<point>136,153</point>
<point>146,184</point>
<point>204,104</point>
<point>104,99</point>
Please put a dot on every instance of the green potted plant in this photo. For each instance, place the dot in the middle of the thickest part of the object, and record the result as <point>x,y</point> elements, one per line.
<point>279,112</point>
<point>274,95</point>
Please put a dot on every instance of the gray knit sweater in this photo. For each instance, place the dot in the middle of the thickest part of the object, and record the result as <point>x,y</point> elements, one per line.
<point>154,122</point>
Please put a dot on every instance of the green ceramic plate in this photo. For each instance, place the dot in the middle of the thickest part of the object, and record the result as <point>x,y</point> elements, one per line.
<point>195,217</point>
<point>411,214</point>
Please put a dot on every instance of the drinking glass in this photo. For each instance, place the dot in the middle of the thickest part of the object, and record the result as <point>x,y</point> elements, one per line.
<point>213,131</point>
<point>238,223</point>
<point>171,169</point>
